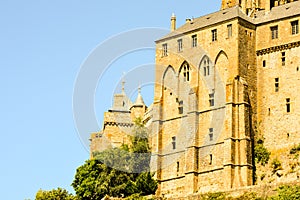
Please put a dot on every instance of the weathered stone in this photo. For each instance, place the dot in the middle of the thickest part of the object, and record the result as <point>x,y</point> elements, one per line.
<point>234,80</point>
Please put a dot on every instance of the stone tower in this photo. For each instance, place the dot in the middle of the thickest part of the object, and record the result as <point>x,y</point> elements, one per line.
<point>139,108</point>
<point>118,122</point>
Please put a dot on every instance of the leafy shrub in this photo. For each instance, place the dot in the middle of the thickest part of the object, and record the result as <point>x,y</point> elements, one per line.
<point>54,194</point>
<point>135,197</point>
<point>276,165</point>
<point>287,192</point>
<point>261,154</point>
<point>214,196</point>
<point>248,196</point>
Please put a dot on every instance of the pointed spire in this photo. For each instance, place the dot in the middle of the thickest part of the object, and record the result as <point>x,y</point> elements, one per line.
<point>139,100</point>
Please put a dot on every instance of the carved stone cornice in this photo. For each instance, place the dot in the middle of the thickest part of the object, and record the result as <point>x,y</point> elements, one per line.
<point>278,48</point>
<point>118,124</point>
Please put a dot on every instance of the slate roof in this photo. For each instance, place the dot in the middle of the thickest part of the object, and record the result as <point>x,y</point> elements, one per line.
<point>279,12</point>
<point>283,11</point>
<point>208,20</point>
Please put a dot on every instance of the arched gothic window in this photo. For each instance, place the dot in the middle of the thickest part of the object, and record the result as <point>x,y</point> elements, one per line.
<point>206,68</point>
<point>185,71</point>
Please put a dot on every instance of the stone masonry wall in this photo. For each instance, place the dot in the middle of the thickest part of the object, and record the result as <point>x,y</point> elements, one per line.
<point>277,127</point>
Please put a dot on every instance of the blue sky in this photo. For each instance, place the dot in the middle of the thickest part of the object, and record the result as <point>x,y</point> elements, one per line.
<point>43,45</point>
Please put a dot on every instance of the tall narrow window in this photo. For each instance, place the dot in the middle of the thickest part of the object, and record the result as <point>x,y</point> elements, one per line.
<point>283,58</point>
<point>179,45</point>
<point>177,167</point>
<point>186,71</point>
<point>288,105</point>
<point>295,27</point>
<point>214,35</point>
<point>197,158</point>
<point>174,142</point>
<point>194,40</point>
<point>165,50</point>
<point>276,84</point>
<point>229,30</point>
<point>211,134</point>
<point>264,63</point>
<point>206,69</point>
<point>210,159</point>
<point>274,32</point>
<point>211,99</point>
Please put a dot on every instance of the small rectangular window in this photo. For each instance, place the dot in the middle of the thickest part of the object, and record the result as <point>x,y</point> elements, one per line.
<point>276,84</point>
<point>229,30</point>
<point>214,35</point>
<point>178,167</point>
<point>211,134</point>
<point>295,27</point>
<point>180,107</point>
<point>194,40</point>
<point>288,105</point>
<point>264,63</point>
<point>283,58</point>
<point>165,50</point>
<point>274,32</point>
<point>211,99</point>
<point>179,45</point>
<point>174,142</point>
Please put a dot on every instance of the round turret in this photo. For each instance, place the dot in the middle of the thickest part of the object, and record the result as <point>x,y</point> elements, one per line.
<point>138,108</point>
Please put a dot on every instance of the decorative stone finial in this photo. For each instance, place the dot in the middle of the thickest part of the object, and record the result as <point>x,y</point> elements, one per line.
<point>123,83</point>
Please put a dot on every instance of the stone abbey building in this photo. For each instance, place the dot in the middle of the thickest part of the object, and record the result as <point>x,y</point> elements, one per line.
<point>223,81</point>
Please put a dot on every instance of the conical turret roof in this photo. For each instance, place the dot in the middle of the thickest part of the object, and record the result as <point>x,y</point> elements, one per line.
<point>139,100</point>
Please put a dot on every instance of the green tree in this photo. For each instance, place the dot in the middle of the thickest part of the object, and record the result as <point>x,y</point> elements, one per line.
<point>113,171</point>
<point>94,180</point>
<point>261,154</point>
<point>139,147</point>
<point>117,158</point>
<point>87,181</point>
<point>55,194</point>
<point>145,184</point>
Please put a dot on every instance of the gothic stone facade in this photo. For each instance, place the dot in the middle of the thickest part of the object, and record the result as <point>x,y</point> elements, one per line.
<point>222,81</point>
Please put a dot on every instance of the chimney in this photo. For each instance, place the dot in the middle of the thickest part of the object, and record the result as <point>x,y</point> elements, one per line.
<point>188,20</point>
<point>173,22</point>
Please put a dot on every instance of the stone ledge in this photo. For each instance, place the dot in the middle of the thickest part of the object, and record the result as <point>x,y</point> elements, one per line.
<point>118,124</point>
<point>278,48</point>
